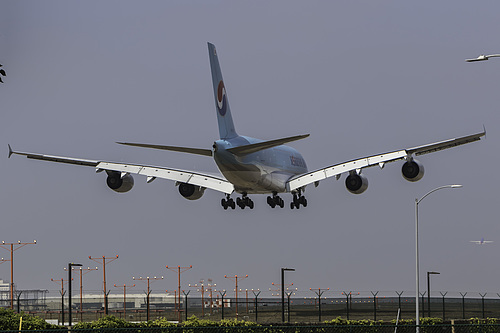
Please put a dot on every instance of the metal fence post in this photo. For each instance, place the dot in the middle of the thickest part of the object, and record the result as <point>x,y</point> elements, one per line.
<point>482,302</point>
<point>374,305</point>
<point>463,304</point>
<point>443,303</point>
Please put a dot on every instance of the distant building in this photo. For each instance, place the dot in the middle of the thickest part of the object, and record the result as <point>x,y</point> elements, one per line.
<point>4,290</point>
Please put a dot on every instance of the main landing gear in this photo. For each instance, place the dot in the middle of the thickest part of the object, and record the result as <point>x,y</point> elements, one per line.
<point>228,202</point>
<point>242,202</point>
<point>298,199</point>
<point>275,200</point>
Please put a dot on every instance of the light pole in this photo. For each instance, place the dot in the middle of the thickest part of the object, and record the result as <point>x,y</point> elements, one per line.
<point>283,291</point>
<point>149,290</point>
<point>429,291</point>
<point>417,202</point>
<point>69,291</point>
<point>483,57</point>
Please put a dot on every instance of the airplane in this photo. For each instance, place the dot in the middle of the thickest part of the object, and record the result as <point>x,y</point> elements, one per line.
<point>253,166</point>
<point>481,242</point>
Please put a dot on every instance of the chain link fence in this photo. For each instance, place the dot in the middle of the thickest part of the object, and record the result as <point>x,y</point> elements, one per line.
<point>261,309</point>
<point>446,328</point>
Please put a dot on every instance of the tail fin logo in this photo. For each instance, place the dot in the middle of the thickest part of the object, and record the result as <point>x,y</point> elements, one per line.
<point>221,99</point>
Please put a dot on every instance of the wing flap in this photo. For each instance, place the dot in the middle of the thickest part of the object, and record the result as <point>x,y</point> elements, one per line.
<point>338,169</point>
<point>217,183</point>
<point>183,176</point>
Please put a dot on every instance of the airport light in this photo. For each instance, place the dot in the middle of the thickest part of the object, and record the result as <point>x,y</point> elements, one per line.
<point>69,290</point>
<point>103,263</point>
<point>417,291</point>
<point>483,57</point>
<point>179,270</point>
<point>62,292</point>
<point>429,291</point>
<point>236,288</point>
<point>319,293</point>
<point>202,290</point>
<point>125,287</point>
<point>148,291</point>
<point>12,247</point>
<point>82,272</point>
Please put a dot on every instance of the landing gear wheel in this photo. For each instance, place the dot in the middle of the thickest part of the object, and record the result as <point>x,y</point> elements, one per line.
<point>227,202</point>
<point>298,200</point>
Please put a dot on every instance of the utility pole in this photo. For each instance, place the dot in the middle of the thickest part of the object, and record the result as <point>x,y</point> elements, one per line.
<point>125,287</point>
<point>235,278</point>
<point>62,292</point>
<point>103,263</point>
<point>148,291</point>
<point>11,248</point>
<point>179,270</point>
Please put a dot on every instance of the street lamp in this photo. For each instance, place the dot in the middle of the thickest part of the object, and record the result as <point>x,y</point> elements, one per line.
<point>429,291</point>
<point>69,290</point>
<point>417,201</point>
<point>482,57</point>
<point>283,291</point>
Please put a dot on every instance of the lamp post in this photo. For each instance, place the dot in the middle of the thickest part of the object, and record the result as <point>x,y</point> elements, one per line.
<point>417,202</point>
<point>429,291</point>
<point>283,291</point>
<point>69,291</point>
<point>483,57</point>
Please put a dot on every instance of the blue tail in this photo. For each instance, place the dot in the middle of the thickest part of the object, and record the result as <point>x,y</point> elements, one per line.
<point>224,118</point>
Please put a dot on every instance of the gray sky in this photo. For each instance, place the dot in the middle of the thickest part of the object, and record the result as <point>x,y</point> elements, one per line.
<point>362,77</point>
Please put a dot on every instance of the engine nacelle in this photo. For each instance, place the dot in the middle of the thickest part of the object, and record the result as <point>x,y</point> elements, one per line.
<point>118,183</point>
<point>190,191</point>
<point>356,183</point>
<point>412,170</point>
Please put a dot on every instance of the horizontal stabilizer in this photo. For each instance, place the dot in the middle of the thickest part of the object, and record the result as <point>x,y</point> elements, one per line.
<point>197,151</point>
<point>255,147</point>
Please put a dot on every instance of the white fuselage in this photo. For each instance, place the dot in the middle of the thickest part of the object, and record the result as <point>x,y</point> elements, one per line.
<point>265,171</point>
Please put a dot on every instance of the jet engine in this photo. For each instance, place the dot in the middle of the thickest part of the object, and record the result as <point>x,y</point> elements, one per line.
<point>356,183</point>
<point>412,170</point>
<point>190,191</point>
<point>118,183</point>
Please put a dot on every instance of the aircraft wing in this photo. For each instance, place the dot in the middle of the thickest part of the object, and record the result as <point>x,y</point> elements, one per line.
<point>380,160</point>
<point>213,182</point>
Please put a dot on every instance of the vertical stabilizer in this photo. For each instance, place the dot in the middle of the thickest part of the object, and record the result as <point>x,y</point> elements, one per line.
<point>224,118</point>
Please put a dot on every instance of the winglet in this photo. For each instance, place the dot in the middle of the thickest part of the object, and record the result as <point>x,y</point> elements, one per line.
<point>10,151</point>
<point>484,131</point>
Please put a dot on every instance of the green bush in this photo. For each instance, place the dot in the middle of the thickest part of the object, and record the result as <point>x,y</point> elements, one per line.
<point>106,322</point>
<point>9,320</point>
